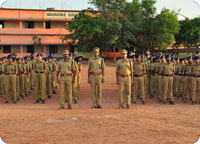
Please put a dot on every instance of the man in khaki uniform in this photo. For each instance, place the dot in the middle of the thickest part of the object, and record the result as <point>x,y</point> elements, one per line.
<point>160,79</point>
<point>124,76</point>
<point>79,76</point>
<point>40,79</point>
<point>48,78</point>
<point>168,73</point>
<point>195,80</point>
<point>22,71</point>
<point>66,68</point>
<point>1,77</point>
<point>138,71</point>
<point>145,73</point>
<point>53,75</point>
<point>96,67</point>
<point>10,80</point>
<point>187,69</point>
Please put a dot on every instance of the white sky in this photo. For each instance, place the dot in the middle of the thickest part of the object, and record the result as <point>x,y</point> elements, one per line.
<point>188,7</point>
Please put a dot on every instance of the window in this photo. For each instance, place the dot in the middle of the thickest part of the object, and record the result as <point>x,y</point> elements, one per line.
<point>48,25</point>
<point>30,49</point>
<point>53,49</point>
<point>1,24</point>
<point>7,49</point>
<point>29,24</point>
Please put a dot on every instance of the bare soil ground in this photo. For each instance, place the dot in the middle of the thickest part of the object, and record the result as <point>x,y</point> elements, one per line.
<point>153,123</point>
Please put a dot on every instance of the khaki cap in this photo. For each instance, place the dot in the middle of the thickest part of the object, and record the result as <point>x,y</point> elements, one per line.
<point>123,51</point>
<point>96,49</point>
<point>66,52</point>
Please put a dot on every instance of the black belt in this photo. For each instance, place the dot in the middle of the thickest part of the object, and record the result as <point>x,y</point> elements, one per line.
<point>10,73</point>
<point>167,75</point>
<point>1,72</point>
<point>161,74</point>
<point>39,72</point>
<point>22,73</point>
<point>138,75</point>
<point>196,75</point>
<point>187,75</point>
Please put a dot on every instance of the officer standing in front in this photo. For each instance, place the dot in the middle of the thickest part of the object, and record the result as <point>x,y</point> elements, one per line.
<point>96,67</point>
<point>124,69</point>
<point>66,69</point>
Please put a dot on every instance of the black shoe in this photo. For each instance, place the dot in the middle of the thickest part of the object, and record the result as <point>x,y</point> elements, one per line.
<point>17,99</point>
<point>69,107</point>
<point>159,100</point>
<point>163,102</point>
<point>22,97</point>
<point>172,102</point>
<point>94,107</point>
<point>143,102</point>
<point>75,101</point>
<point>66,101</point>
<point>43,101</point>
<point>133,102</point>
<point>121,107</point>
<point>14,102</point>
<point>54,92</point>
<point>61,107</point>
<point>49,97</point>
<point>193,103</point>
<point>128,106</point>
<point>37,101</point>
<point>99,107</point>
<point>6,102</point>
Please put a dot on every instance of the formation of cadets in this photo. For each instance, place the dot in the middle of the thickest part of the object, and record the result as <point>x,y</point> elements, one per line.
<point>163,77</point>
<point>19,76</point>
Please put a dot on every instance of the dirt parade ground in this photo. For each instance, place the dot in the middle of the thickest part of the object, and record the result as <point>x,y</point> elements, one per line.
<point>153,123</point>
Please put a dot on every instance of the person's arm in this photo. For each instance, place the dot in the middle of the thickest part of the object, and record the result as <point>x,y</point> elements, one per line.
<point>58,74</point>
<point>117,73</point>
<point>103,68</point>
<point>89,66</point>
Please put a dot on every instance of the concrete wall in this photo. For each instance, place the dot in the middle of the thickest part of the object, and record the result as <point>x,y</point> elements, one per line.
<point>11,24</point>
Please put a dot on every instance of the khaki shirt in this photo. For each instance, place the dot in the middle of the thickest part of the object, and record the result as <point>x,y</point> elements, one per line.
<point>138,68</point>
<point>168,68</point>
<point>124,68</point>
<point>39,66</point>
<point>96,65</point>
<point>187,69</point>
<point>49,67</point>
<point>196,70</point>
<point>2,68</point>
<point>67,67</point>
<point>160,68</point>
<point>10,68</point>
<point>21,68</point>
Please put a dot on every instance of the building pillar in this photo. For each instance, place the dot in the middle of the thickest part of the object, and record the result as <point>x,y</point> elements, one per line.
<point>44,25</point>
<point>45,50</point>
<point>21,48</point>
<point>20,24</point>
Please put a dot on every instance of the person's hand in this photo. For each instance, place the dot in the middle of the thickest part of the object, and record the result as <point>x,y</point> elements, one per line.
<point>103,80</point>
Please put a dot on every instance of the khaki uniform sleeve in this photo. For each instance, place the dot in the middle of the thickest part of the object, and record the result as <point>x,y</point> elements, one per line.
<point>117,67</point>
<point>103,64</point>
<point>89,64</point>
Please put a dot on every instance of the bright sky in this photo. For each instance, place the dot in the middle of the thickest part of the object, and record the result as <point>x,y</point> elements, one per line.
<point>188,7</point>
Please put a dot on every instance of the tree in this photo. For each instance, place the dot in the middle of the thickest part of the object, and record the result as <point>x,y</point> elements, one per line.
<point>164,27</point>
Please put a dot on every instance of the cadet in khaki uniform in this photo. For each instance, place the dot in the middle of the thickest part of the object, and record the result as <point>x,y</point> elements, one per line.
<point>48,78</point>
<point>138,71</point>
<point>53,75</point>
<point>181,78</point>
<point>26,66</point>
<point>195,80</point>
<point>40,79</point>
<point>187,69</point>
<point>124,76</point>
<point>79,76</point>
<point>168,72</point>
<point>66,68</point>
<point>22,71</point>
<point>152,79</point>
<point>1,77</point>
<point>17,79</point>
<point>145,73</point>
<point>96,68</point>
<point>160,79</point>
<point>10,80</point>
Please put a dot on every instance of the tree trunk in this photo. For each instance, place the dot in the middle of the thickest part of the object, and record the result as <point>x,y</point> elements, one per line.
<point>114,54</point>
